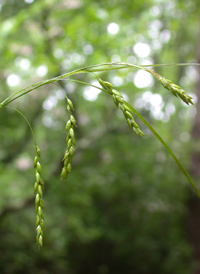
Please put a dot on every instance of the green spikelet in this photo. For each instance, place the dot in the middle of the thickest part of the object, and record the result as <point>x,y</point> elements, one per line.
<point>175,89</point>
<point>70,142</point>
<point>120,103</point>
<point>39,203</point>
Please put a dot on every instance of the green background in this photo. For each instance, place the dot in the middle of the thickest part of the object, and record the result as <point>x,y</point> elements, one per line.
<point>123,209</point>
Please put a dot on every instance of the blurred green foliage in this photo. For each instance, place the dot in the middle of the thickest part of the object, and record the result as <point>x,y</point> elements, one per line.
<point>122,209</point>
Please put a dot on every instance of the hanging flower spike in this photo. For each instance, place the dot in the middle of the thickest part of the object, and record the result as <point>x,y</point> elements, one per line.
<point>39,203</point>
<point>70,142</point>
<point>119,102</point>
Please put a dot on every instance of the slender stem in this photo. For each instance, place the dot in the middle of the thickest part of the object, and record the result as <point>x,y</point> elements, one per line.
<point>88,84</point>
<point>92,68</point>
<point>166,147</point>
<point>26,121</point>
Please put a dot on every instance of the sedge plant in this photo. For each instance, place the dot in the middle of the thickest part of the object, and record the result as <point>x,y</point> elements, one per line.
<point>127,110</point>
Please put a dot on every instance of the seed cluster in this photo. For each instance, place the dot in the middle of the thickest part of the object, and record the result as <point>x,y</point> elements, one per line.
<point>120,103</point>
<point>175,89</point>
<point>70,142</point>
<point>39,203</point>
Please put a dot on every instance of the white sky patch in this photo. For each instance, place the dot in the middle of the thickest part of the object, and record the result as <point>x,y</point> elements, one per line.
<point>47,121</point>
<point>70,87</point>
<point>145,61</point>
<point>157,113</point>
<point>125,96</point>
<point>88,49</point>
<point>115,58</point>
<point>101,14</point>
<point>165,36</point>
<point>142,49</point>
<point>192,73</point>
<point>24,64</point>
<point>50,102</point>
<point>23,163</point>
<point>131,59</point>
<point>42,70</point>
<point>154,29</point>
<point>156,106</point>
<point>156,44</point>
<point>185,136</point>
<point>58,53</point>
<point>66,63</point>
<point>139,103</point>
<point>192,112</point>
<point>154,103</point>
<point>143,79</point>
<point>117,81</point>
<point>170,109</point>
<point>28,1</point>
<point>156,100</point>
<point>146,95</point>
<point>155,11</point>
<point>7,26</point>
<point>113,28</point>
<point>91,93</point>
<point>130,76</point>
<point>156,24</point>
<point>60,95</point>
<point>13,80</point>
<point>77,58</point>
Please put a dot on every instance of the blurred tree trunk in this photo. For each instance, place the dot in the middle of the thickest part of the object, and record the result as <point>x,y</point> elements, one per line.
<point>193,218</point>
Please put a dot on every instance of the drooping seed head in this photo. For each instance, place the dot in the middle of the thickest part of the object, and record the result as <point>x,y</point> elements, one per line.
<point>42,183</point>
<point>106,85</point>
<point>40,192</point>
<point>39,211</point>
<point>68,125</point>
<point>73,120</point>
<point>42,224</point>
<point>138,132</point>
<point>69,143</point>
<point>69,168</point>
<point>39,230</point>
<point>115,92</point>
<point>115,100</point>
<point>128,114</point>
<point>175,89</point>
<point>71,132</point>
<point>74,141</point>
<point>37,199</point>
<point>64,173</point>
<point>38,151</point>
<point>37,220</point>
<point>39,168</point>
<point>40,241</point>
<point>129,123</point>
<point>66,162</point>
<point>70,104</point>
<point>127,108</point>
<point>122,108</point>
<point>66,155</point>
<point>37,176</point>
<point>71,151</point>
<point>35,187</point>
<point>68,109</point>
<point>35,161</point>
<point>41,203</point>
